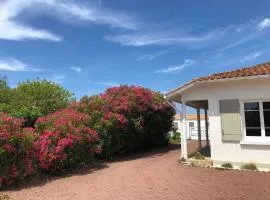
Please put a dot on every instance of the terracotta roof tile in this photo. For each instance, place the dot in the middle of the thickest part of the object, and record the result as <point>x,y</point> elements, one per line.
<point>260,69</point>
<point>189,117</point>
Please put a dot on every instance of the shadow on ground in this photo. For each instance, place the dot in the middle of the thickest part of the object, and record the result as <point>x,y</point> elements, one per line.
<point>45,178</point>
<point>154,152</point>
<point>193,146</point>
<point>205,151</point>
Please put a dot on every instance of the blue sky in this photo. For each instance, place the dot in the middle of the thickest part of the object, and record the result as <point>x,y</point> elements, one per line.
<point>87,46</point>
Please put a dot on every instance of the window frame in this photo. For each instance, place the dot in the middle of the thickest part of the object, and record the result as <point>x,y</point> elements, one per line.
<point>191,123</point>
<point>261,138</point>
<point>174,123</point>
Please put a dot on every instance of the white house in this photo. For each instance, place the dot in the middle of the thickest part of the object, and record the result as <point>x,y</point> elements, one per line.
<point>238,107</point>
<point>192,126</point>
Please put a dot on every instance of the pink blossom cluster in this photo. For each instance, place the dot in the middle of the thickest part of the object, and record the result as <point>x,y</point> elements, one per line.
<point>126,99</point>
<point>16,149</point>
<point>64,134</point>
<point>114,116</point>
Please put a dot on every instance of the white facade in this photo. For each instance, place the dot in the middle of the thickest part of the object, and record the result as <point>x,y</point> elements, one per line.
<point>249,149</point>
<point>192,128</point>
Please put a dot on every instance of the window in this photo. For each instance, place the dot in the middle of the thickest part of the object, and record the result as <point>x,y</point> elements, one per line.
<point>266,116</point>
<point>191,124</point>
<point>175,124</point>
<point>252,119</point>
<point>257,119</point>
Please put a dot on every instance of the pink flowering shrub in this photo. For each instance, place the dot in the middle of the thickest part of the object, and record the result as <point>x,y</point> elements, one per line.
<point>128,118</point>
<point>16,150</point>
<point>65,140</point>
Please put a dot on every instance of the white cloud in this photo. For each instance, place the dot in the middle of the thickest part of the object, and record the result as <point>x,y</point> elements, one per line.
<point>17,32</point>
<point>161,38</point>
<point>221,39</point>
<point>107,84</point>
<point>176,68</point>
<point>251,56</point>
<point>76,69</point>
<point>58,78</point>
<point>153,56</point>
<point>237,35</point>
<point>12,29</point>
<point>13,65</point>
<point>264,24</point>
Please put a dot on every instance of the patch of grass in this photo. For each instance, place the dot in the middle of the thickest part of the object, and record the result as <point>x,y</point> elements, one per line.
<point>197,155</point>
<point>249,166</point>
<point>201,163</point>
<point>227,165</point>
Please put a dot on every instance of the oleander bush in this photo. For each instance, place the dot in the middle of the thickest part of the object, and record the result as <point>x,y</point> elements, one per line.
<point>16,150</point>
<point>65,140</point>
<point>43,129</point>
<point>129,118</point>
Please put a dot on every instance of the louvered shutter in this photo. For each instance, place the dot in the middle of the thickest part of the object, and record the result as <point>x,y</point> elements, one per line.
<point>230,120</point>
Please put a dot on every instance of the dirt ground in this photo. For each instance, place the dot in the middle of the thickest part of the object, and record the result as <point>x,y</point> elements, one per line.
<point>154,175</point>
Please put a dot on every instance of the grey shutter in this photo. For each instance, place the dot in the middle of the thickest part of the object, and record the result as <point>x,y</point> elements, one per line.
<point>230,120</point>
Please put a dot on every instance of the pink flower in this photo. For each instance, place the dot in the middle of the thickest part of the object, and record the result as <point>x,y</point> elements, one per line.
<point>9,148</point>
<point>98,150</point>
<point>14,170</point>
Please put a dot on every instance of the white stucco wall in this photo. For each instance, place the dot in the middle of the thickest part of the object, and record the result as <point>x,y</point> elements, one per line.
<point>243,90</point>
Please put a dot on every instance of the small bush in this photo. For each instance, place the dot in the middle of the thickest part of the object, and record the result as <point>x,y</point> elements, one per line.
<point>65,140</point>
<point>201,163</point>
<point>5,197</point>
<point>197,155</point>
<point>16,150</point>
<point>182,159</point>
<point>249,166</point>
<point>175,137</point>
<point>227,165</point>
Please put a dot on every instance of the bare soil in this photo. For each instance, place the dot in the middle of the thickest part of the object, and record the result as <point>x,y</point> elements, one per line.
<point>155,175</point>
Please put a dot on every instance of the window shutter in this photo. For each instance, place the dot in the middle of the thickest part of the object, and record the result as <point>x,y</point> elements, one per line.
<point>230,120</point>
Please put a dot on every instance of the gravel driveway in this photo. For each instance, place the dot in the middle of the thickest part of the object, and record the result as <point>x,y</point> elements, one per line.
<point>154,175</point>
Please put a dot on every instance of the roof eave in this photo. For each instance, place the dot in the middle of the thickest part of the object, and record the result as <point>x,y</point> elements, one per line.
<point>179,90</point>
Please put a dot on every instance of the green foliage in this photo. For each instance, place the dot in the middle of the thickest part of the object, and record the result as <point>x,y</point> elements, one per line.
<point>34,98</point>
<point>175,137</point>
<point>197,155</point>
<point>5,94</point>
<point>249,166</point>
<point>227,165</point>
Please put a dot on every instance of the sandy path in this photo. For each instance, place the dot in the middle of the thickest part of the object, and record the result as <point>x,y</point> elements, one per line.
<point>154,175</point>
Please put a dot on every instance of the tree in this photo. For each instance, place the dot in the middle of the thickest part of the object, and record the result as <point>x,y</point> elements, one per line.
<point>5,94</point>
<point>4,90</point>
<point>35,98</point>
